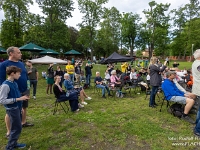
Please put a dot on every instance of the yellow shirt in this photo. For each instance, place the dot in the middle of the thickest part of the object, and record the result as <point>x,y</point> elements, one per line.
<point>123,67</point>
<point>70,69</point>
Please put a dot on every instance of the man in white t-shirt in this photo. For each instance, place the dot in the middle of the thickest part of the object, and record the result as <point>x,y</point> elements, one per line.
<point>196,87</point>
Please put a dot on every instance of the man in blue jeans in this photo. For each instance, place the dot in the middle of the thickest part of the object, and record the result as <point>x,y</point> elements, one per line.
<point>33,77</point>
<point>99,84</point>
<point>88,73</point>
<point>11,98</point>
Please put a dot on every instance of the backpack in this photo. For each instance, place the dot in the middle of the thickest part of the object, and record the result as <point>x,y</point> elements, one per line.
<point>176,109</point>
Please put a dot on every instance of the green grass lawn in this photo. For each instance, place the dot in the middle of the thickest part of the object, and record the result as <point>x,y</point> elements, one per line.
<point>104,124</point>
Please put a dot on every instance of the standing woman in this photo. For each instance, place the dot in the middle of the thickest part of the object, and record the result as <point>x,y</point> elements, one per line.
<point>60,73</point>
<point>50,78</point>
<point>88,73</point>
<point>155,79</point>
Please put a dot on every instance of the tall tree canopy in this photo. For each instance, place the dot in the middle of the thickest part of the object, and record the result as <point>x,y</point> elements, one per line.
<point>93,11</point>
<point>130,30</point>
<point>54,27</point>
<point>157,24</point>
<point>16,15</point>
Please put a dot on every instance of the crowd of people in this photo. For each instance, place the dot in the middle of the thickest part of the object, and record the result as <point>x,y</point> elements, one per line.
<point>65,85</point>
<point>16,78</point>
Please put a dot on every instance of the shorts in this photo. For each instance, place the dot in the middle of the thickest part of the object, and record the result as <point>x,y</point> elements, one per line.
<point>25,103</point>
<point>178,99</point>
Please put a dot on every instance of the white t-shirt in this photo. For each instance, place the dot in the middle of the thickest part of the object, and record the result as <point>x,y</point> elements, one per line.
<point>196,77</point>
<point>148,77</point>
<point>107,75</point>
<point>133,75</point>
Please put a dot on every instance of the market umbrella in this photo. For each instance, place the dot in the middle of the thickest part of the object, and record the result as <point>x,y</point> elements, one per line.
<point>2,50</point>
<point>47,60</point>
<point>32,48</point>
<point>72,52</point>
<point>49,51</point>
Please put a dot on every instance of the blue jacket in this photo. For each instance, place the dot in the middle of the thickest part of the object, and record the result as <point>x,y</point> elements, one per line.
<point>22,81</point>
<point>170,89</point>
<point>68,84</point>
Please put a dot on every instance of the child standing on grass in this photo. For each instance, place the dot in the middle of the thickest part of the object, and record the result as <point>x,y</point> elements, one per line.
<point>11,98</point>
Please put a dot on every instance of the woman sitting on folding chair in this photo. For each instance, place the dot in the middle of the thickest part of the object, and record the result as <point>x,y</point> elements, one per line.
<point>70,87</point>
<point>61,95</point>
<point>115,81</point>
<point>133,77</point>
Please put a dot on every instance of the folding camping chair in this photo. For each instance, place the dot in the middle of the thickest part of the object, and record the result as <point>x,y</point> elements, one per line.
<point>62,104</point>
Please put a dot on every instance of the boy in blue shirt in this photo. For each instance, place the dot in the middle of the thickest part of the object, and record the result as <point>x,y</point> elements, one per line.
<point>11,98</point>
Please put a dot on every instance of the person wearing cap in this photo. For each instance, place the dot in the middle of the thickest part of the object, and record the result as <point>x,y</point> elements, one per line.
<point>196,87</point>
<point>172,93</point>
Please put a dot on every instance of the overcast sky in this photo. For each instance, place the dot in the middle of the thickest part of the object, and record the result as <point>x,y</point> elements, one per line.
<point>135,6</point>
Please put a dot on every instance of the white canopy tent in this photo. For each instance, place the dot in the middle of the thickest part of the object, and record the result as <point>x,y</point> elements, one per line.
<point>47,60</point>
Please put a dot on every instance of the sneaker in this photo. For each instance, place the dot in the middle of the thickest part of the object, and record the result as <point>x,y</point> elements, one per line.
<point>88,98</point>
<point>34,97</point>
<point>188,119</point>
<point>84,103</point>
<point>20,145</point>
<point>77,110</point>
<point>80,106</point>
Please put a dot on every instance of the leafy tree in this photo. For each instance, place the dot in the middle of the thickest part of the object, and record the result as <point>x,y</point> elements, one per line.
<point>74,34</point>
<point>192,12</point>
<point>16,13</point>
<point>56,9</point>
<point>53,26</point>
<point>179,22</point>
<point>186,22</point>
<point>139,53</point>
<point>130,30</point>
<point>92,10</point>
<point>157,21</point>
<point>83,38</point>
<point>108,34</point>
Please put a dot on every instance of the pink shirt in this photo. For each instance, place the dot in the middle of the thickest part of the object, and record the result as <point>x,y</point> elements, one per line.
<point>113,79</point>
